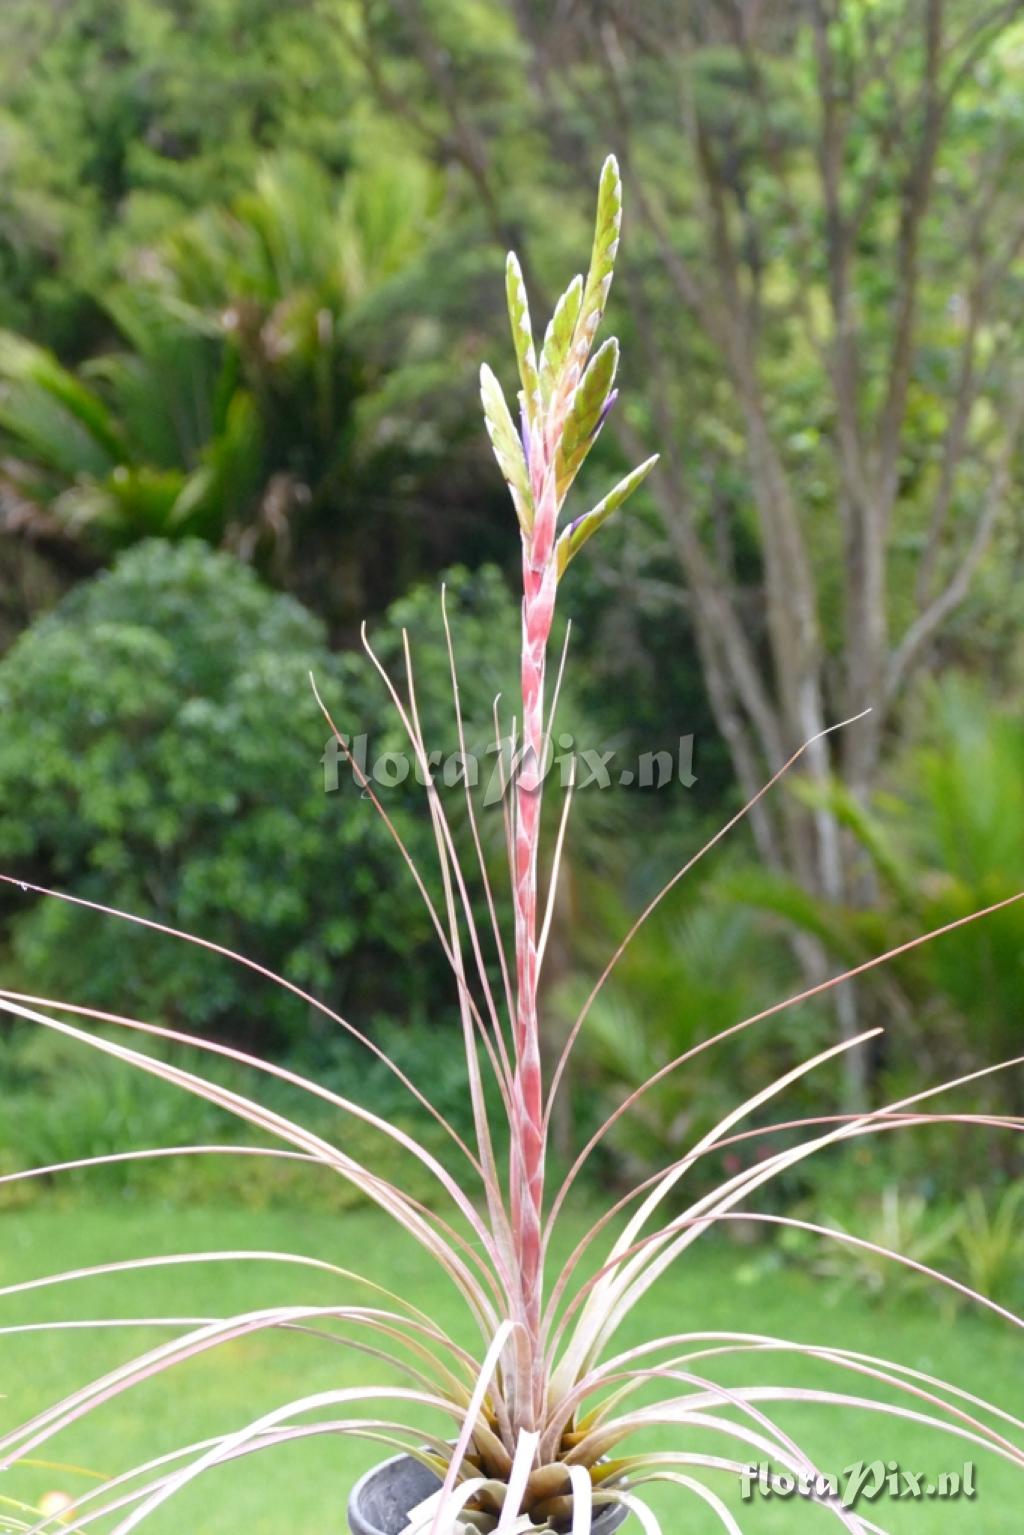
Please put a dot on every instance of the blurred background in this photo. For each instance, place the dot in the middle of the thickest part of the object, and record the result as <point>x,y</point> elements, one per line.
<point>251,259</point>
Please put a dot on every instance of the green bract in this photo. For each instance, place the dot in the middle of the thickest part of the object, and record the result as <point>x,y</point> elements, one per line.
<point>565,400</point>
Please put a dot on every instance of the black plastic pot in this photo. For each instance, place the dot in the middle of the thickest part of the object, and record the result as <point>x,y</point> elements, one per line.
<point>381,1501</point>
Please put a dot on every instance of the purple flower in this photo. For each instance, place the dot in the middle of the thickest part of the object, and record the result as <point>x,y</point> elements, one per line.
<point>524,430</point>
<point>605,408</point>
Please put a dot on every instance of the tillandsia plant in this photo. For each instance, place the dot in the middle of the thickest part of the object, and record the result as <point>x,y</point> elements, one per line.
<point>540,1424</point>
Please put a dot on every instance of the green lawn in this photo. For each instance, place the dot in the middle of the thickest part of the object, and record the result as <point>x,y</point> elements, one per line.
<point>301,1490</point>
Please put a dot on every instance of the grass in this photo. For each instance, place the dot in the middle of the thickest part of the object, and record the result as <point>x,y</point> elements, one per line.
<point>301,1490</point>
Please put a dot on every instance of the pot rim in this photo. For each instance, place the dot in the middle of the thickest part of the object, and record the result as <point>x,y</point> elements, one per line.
<point>375,1471</point>
<point>394,1460</point>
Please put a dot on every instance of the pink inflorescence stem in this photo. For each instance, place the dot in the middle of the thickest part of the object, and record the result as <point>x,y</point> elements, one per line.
<point>528,1139</point>
<point>563,404</point>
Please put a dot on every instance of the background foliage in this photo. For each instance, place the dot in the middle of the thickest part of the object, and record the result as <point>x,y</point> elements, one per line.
<point>248,258</point>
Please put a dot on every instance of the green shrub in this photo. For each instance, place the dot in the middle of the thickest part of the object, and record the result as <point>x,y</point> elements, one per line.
<point>63,1103</point>
<point>161,753</point>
